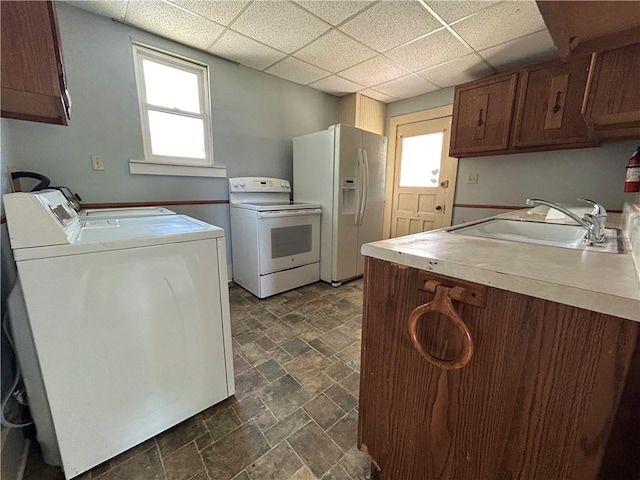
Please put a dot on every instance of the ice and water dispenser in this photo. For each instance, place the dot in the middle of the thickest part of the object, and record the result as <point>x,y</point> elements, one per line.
<point>349,192</point>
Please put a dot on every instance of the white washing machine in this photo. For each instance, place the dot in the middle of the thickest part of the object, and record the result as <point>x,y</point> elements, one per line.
<point>121,326</point>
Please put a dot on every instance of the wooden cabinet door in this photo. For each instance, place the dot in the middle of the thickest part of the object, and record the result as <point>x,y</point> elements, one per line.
<point>537,400</point>
<point>482,113</point>
<point>549,105</point>
<point>612,102</point>
<point>33,77</point>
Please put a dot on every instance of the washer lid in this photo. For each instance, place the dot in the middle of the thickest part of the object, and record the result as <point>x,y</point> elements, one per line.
<point>124,212</point>
<point>103,235</point>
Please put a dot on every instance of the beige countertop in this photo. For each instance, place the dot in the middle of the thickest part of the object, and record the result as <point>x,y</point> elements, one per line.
<point>603,282</point>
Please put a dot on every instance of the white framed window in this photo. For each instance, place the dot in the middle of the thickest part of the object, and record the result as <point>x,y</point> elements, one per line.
<point>173,97</point>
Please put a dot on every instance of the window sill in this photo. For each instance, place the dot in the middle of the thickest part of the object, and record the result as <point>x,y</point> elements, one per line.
<point>142,167</point>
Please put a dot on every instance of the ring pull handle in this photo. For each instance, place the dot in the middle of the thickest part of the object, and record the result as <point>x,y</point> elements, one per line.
<point>441,303</point>
<point>557,107</point>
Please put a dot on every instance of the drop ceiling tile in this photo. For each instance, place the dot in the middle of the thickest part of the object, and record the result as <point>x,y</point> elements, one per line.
<point>452,10</point>
<point>371,93</point>
<point>297,71</point>
<point>222,12</point>
<point>458,71</point>
<point>281,25</point>
<point>172,22</point>
<point>533,48</point>
<point>406,87</point>
<point>434,49</point>
<point>334,52</point>
<point>501,23</point>
<point>374,71</point>
<point>108,8</point>
<point>389,24</point>
<point>336,85</point>
<point>245,50</point>
<point>333,11</point>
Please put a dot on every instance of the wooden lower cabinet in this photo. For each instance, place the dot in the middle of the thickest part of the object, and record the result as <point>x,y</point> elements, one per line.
<point>539,399</point>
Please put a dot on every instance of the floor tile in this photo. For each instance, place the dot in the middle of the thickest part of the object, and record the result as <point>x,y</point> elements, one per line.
<point>341,397</point>
<point>357,464</point>
<point>315,382</point>
<point>279,463</point>
<point>184,463</point>
<point>271,370</point>
<point>315,448</point>
<point>289,425</point>
<point>337,473</point>
<point>303,474</point>
<point>249,407</point>
<point>337,339</point>
<point>222,423</point>
<point>284,396</point>
<point>178,436</point>
<point>309,363</point>
<point>338,371</point>
<point>249,382</point>
<point>322,347</point>
<point>230,455</point>
<point>114,462</point>
<point>344,432</point>
<point>352,383</point>
<point>296,347</point>
<point>324,411</point>
<point>146,466</point>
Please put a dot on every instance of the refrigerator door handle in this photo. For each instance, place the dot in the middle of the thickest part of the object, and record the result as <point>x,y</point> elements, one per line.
<point>365,186</point>
<point>359,192</point>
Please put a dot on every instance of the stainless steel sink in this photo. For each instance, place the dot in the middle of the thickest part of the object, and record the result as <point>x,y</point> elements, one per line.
<point>540,233</point>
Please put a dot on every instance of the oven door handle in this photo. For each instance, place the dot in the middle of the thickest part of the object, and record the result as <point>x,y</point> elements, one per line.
<point>290,213</point>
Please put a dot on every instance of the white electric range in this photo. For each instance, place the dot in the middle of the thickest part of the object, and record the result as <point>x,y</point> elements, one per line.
<point>275,242</point>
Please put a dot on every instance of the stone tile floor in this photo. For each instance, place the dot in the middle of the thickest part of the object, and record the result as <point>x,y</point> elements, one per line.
<point>294,414</point>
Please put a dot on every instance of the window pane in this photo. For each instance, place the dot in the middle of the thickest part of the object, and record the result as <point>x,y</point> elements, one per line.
<point>171,87</point>
<point>176,135</point>
<point>421,156</point>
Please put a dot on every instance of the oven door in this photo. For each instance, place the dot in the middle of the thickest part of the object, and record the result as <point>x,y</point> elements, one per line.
<point>288,239</point>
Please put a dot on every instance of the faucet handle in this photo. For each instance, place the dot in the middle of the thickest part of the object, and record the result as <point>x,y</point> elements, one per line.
<point>598,210</point>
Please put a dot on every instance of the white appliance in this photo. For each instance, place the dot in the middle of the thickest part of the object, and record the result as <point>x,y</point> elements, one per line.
<point>121,326</point>
<point>343,169</point>
<point>275,243</point>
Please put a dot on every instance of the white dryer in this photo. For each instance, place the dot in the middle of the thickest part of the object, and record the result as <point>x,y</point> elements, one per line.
<point>121,326</point>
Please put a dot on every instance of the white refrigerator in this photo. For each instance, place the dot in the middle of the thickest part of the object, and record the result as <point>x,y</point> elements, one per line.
<point>343,169</point>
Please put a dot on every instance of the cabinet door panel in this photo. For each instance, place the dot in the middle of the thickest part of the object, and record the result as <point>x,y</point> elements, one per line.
<point>482,115</point>
<point>536,401</point>
<point>549,103</point>
<point>33,78</point>
<point>612,106</point>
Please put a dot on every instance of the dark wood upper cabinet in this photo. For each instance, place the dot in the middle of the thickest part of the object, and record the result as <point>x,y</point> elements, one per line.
<point>612,101</point>
<point>33,77</point>
<point>549,105</point>
<point>532,109</point>
<point>482,114</point>
<point>582,27</point>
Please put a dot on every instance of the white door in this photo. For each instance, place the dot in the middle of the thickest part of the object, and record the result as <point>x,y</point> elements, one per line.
<point>424,177</point>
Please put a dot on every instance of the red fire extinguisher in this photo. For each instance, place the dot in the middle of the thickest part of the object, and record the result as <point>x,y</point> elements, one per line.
<point>632,183</point>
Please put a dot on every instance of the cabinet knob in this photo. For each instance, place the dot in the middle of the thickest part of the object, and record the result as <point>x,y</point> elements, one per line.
<point>441,303</point>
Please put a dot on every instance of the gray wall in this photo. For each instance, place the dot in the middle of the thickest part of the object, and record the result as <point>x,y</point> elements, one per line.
<point>255,116</point>
<point>596,173</point>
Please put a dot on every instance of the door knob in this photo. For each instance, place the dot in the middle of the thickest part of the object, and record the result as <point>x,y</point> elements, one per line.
<point>438,207</point>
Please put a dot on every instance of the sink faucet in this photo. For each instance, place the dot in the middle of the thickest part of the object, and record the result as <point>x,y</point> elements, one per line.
<point>592,222</point>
